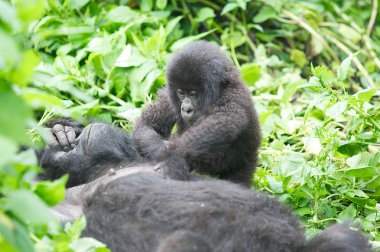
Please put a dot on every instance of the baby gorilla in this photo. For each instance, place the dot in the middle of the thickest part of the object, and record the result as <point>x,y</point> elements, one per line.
<point>218,132</point>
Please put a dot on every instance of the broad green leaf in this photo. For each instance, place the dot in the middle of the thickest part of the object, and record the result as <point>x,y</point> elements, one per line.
<point>337,109</point>
<point>264,14</point>
<point>22,74</point>
<point>122,14</point>
<point>51,192</point>
<point>242,4</point>
<point>364,95</point>
<point>274,185</point>
<point>29,10</point>
<point>161,4</point>
<point>7,149</point>
<point>78,4</point>
<point>348,213</point>
<point>303,211</point>
<point>122,60</point>
<point>28,208</point>
<point>8,15</point>
<point>235,38</point>
<point>13,116</point>
<point>184,41</point>
<point>204,14</point>
<point>325,75</point>
<point>229,7</point>
<point>86,244</point>
<point>171,24</point>
<point>351,148</point>
<point>325,211</point>
<point>359,160</point>
<point>363,172</point>
<point>250,73</point>
<point>38,99</point>
<point>342,71</point>
<point>146,5</point>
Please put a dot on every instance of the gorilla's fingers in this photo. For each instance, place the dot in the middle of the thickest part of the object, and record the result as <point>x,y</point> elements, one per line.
<point>52,139</point>
<point>71,136</point>
<point>59,132</point>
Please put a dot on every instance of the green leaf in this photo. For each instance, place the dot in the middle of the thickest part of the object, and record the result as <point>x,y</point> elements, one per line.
<point>184,41</point>
<point>298,57</point>
<point>274,185</point>
<point>78,4</point>
<point>39,99</point>
<point>29,10</point>
<point>86,244</point>
<point>351,148</point>
<point>13,116</point>
<point>8,15</point>
<point>28,208</point>
<point>325,211</point>
<point>250,73</point>
<point>364,95</point>
<point>342,71</point>
<point>146,5</point>
<point>161,4</point>
<point>229,7</point>
<point>264,14</point>
<point>242,4</point>
<point>360,160</point>
<point>325,75</point>
<point>121,14</point>
<point>204,14</point>
<point>22,74</point>
<point>348,213</point>
<point>337,109</point>
<point>363,172</point>
<point>171,25</point>
<point>7,149</point>
<point>51,192</point>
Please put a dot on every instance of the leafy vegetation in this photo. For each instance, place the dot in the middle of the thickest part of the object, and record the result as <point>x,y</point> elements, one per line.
<point>106,60</point>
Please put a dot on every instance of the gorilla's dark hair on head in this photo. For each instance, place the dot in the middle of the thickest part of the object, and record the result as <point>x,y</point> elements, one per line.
<point>199,65</point>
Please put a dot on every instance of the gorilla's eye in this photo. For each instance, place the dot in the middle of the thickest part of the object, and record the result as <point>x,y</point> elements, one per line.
<point>180,92</point>
<point>194,94</point>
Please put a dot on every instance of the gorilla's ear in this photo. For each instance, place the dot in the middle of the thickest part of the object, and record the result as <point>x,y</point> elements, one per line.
<point>231,76</point>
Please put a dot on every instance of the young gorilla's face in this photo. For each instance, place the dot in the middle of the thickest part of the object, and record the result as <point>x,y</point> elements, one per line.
<point>190,101</point>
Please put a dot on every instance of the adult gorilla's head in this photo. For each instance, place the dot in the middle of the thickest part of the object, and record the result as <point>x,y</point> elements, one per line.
<point>196,75</point>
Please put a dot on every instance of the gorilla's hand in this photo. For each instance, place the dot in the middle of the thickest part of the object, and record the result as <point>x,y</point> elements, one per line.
<point>63,136</point>
<point>64,132</point>
<point>175,167</point>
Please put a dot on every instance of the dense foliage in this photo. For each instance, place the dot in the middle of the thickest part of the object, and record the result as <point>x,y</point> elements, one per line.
<point>106,59</point>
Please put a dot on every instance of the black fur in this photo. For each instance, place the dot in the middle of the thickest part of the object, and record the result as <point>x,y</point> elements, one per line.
<point>224,136</point>
<point>141,211</point>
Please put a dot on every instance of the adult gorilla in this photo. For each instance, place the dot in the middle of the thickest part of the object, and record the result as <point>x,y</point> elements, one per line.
<point>218,132</point>
<point>136,208</point>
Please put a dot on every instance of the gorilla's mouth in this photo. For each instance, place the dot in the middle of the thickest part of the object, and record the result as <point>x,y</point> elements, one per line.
<point>188,116</point>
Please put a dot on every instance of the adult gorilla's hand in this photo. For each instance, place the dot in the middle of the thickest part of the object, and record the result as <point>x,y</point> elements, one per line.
<point>63,136</point>
<point>64,133</point>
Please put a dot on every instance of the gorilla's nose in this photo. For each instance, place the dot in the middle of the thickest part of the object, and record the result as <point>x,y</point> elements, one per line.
<point>188,109</point>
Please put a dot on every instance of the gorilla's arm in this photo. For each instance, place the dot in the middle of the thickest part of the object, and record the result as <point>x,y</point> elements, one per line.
<point>213,137</point>
<point>153,129</point>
